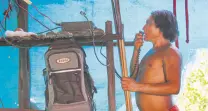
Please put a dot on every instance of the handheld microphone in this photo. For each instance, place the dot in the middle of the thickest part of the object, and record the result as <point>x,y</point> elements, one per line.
<point>141,32</point>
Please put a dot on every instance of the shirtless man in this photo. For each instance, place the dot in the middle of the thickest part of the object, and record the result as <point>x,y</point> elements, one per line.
<point>159,71</point>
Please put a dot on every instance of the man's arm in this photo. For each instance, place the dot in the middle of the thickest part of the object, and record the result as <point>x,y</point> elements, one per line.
<point>173,72</point>
<point>134,66</point>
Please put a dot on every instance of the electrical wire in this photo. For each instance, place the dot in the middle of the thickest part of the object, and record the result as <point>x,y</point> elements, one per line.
<point>6,14</point>
<point>93,38</point>
<point>5,39</point>
<point>83,14</point>
<point>108,61</point>
<point>32,16</point>
<point>48,30</point>
<point>18,5</point>
<point>4,19</point>
<point>45,15</point>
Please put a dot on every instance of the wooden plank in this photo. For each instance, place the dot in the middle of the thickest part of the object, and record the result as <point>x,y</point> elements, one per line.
<point>24,68</point>
<point>110,69</point>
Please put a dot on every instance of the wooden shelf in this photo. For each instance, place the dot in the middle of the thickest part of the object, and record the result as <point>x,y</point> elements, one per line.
<point>47,41</point>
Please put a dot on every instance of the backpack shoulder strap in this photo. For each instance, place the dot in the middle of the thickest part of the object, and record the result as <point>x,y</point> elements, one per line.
<point>164,65</point>
<point>164,70</point>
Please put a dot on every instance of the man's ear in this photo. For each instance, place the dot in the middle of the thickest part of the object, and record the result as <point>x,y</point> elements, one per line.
<point>160,32</point>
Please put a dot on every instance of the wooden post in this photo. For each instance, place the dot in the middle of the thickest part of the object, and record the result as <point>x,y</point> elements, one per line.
<point>24,68</point>
<point>122,52</point>
<point>110,69</point>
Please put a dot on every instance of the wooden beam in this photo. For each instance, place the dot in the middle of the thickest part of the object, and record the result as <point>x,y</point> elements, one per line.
<point>45,42</point>
<point>24,67</point>
<point>42,43</point>
<point>110,69</point>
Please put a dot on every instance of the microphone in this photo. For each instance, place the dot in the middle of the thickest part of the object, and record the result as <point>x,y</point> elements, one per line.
<point>141,32</point>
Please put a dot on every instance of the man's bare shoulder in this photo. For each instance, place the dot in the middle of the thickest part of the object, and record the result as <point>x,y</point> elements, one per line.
<point>173,54</point>
<point>174,51</point>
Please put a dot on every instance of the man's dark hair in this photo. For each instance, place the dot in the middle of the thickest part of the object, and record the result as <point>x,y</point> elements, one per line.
<point>167,23</point>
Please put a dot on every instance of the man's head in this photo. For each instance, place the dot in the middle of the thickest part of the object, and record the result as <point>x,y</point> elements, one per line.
<point>161,23</point>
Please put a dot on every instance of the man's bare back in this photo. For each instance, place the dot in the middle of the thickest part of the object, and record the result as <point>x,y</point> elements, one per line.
<point>152,71</point>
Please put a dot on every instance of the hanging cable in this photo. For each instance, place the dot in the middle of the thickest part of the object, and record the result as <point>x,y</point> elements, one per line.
<point>30,3</point>
<point>32,16</point>
<point>107,59</point>
<point>187,21</point>
<point>6,14</point>
<point>45,15</point>
<point>93,38</point>
<point>83,14</point>
<point>4,19</point>
<point>48,30</point>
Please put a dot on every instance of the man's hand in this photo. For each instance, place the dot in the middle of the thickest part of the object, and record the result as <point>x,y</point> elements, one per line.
<point>138,41</point>
<point>129,84</point>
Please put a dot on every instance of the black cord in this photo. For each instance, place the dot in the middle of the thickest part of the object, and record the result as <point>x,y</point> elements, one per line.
<point>47,30</point>
<point>83,14</point>
<point>4,28</point>
<point>18,46</point>
<point>107,59</point>
<point>93,38</point>
<point>16,3</point>
<point>44,15</point>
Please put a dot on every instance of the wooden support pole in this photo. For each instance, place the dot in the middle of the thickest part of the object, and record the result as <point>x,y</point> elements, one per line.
<point>110,69</point>
<point>122,51</point>
<point>24,68</point>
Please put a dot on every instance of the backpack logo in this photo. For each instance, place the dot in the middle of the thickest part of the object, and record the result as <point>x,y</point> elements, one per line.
<point>62,60</point>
